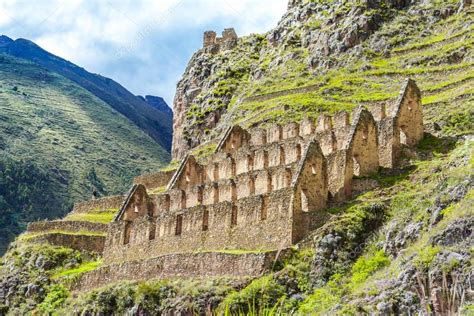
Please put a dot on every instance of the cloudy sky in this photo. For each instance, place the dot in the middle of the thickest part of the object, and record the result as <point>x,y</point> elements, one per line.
<point>144,45</point>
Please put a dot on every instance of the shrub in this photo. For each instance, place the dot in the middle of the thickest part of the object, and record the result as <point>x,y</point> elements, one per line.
<point>57,294</point>
<point>260,295</point>
<point>367,265</point>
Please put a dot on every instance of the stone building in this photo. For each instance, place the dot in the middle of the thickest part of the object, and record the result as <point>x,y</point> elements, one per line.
<point>214,44</point>
<point>259,193</point>
<point>264,189</point>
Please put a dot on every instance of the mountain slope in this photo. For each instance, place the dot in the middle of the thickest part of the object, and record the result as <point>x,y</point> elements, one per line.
<point>154,121</point>
<point>71,137</point>
<point>322,58</point>
<point>404,247</point>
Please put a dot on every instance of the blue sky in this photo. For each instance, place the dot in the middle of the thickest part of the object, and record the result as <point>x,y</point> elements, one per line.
<point>144,45</point>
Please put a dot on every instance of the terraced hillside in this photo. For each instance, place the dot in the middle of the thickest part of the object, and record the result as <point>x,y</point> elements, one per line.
<point>325,58</point>
<point>52,127</point>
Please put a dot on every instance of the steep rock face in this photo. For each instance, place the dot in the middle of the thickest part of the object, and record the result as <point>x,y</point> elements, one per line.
<point>312,38</point>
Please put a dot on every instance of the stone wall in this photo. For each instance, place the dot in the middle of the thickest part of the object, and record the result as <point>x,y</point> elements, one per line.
<point>213,44</point>
<point>223,225</point>
<point>264,188</point>
<point>64,225</point>
<point>97,205</point>
<point>79,242</point>
<point>154,180</point>
<point>206,264</point>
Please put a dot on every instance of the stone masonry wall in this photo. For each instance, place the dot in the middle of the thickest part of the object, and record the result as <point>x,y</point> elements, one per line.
<point>206,264</point>
<point>102,204</point>
<point>225,226</point>
<point>264,189</point>
<point>154,180</point>
<point>73,226</point>
<point>79,242</point>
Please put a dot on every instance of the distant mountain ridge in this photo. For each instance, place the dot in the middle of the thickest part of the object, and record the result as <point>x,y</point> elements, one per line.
<point>156,121</point>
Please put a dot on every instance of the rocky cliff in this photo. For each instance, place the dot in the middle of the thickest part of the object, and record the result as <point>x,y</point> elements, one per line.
<point>312,41</point>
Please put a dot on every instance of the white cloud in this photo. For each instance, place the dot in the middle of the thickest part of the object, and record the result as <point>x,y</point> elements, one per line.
<point>112,37</point>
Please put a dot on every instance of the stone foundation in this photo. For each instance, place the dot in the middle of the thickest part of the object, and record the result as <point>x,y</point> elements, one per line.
<point>190,265</point>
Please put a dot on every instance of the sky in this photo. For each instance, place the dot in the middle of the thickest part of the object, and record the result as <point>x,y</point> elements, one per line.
<point>143,45</point>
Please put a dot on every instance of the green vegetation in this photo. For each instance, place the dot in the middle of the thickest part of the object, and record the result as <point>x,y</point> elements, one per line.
<point>102,217</point>
<point>74,142</point>
<point>73,272</point>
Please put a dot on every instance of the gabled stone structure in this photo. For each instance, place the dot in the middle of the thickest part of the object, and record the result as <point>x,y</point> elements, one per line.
<point>261,190</point>
<point>403,125</point>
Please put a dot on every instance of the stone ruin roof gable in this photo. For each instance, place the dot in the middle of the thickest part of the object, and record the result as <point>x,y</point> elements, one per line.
<point>409,84</point>
<point>179,171</point>
<point>360,116</point>
<point>312,148</point>
<point>228,134</point>
<point>133,190</point>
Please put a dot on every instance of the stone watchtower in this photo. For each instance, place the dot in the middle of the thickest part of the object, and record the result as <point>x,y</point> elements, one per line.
<point>213,44</point>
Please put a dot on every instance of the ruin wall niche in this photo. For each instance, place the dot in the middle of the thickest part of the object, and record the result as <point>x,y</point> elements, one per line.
<point>327,141</point>
<point>227,191</point>
<point>177,199</point>
<point>227,168</point>
<point>362,143</point>
<point>154,180</point>
<point>210,193</point>
<point>263,182</point>
<point>244,162</point>
<point>409,114</point>
<point>281,177</point>
<point>341,125</point>
<point>307,127</point>
<point>324,123</point>
<point>245,185</point>
<point>291,130</point>
<point>258,136</point>
<point>260,159</point>
<point>389,143</point>
<point>98,205</point>
<point>340,171</point>
<point>194,196</point>
<point>276,155</point>
<point>161,203</point>
<point>293,151</point>
<point>274,134</point>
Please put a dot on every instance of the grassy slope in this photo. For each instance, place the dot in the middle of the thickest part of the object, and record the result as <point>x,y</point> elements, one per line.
<point>440,60</point>
<point>73,136</point>
<point>156,123</point>
<point>448,100</point>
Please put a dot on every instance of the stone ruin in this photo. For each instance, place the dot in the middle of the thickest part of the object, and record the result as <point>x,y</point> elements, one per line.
<point>213,44</point>
<point>262,190</point>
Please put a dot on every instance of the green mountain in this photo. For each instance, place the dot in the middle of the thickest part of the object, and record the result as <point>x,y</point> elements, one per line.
<point>155,121</point>
<point>59,142</point>
<point>402,248</point>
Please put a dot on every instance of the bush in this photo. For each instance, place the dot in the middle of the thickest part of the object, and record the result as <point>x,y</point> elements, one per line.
<point>367,265</point>
<point>260,296</point>
<point>57,294</point>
